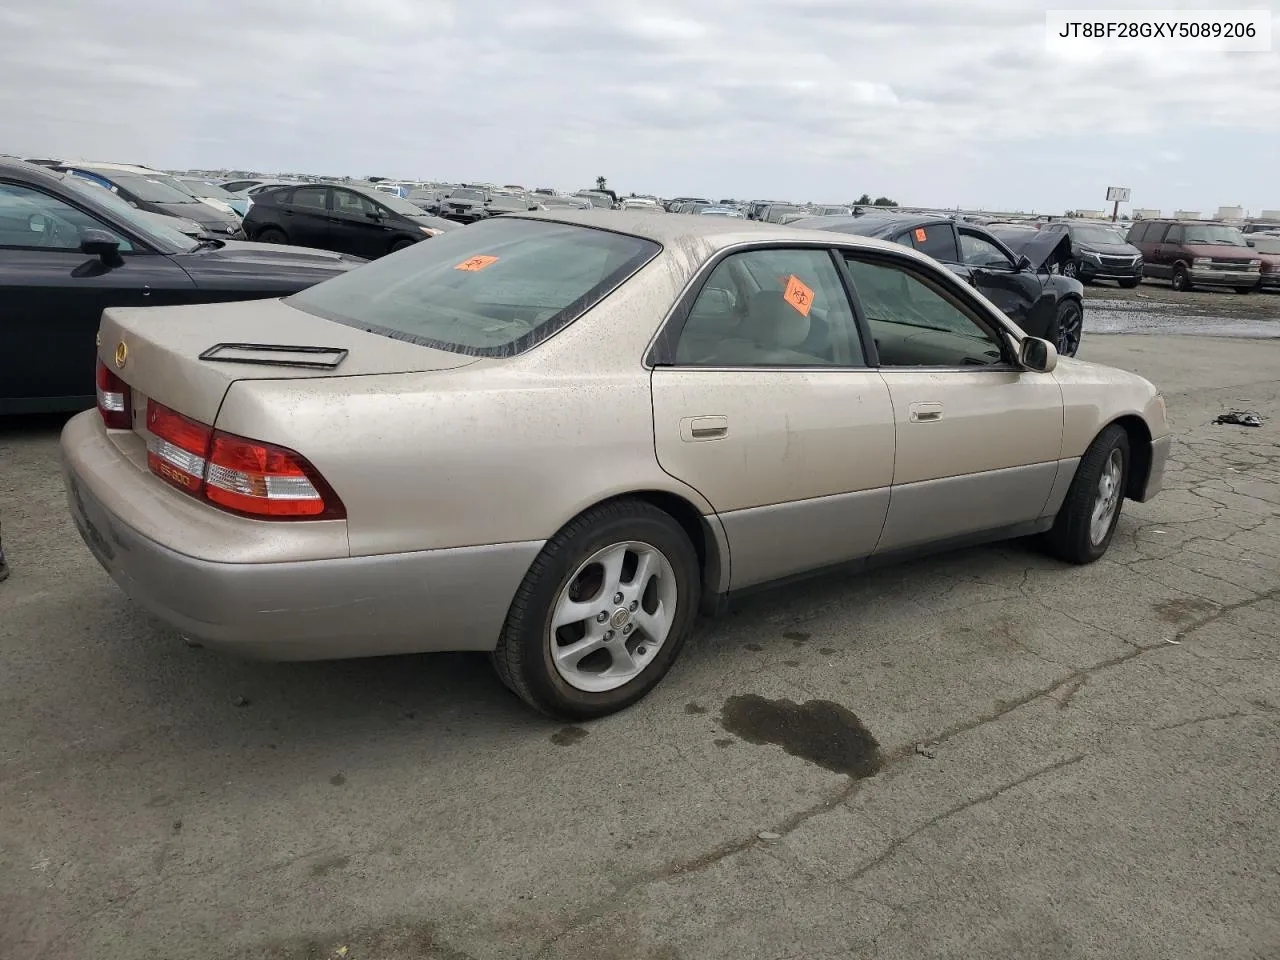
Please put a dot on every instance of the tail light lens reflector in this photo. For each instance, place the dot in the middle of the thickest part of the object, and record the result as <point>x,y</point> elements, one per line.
<point>177,447</point>
<point>113,399</point>
<point>235,473</point>
<point>249,476</point>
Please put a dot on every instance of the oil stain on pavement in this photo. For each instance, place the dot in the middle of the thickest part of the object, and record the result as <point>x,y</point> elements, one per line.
<point>819,731</point>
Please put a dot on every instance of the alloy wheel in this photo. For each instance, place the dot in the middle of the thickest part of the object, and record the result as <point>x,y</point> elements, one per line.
<point>1107,498</point>
<point>612,616</point>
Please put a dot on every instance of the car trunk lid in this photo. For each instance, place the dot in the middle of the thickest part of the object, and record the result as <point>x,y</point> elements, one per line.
<point>187,357</point>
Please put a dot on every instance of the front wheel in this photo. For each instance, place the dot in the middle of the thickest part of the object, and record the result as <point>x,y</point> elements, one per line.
<point>1087,521</point>
<point>271,235</point>
<point>1130,284</point>
<point>602,613</point>
<point>1244,289</point>
<point>1070,328</point>
<point>400,245</point>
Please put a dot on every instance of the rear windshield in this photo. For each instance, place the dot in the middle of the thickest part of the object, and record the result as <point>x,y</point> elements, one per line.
<point>495,289</point>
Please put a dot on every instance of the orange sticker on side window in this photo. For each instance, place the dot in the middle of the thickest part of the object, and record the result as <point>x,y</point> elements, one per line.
<point>476,263</point>
<point>798,295</point>
<point>920,235</point>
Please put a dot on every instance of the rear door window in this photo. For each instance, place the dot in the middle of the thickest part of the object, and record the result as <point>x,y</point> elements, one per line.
<point>309,199</point>
<point>937,240</point>
<point>495,289</point>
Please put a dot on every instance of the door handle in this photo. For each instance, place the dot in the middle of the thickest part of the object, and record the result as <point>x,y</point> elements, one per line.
<point>925,412</point>
<point>693,429</point>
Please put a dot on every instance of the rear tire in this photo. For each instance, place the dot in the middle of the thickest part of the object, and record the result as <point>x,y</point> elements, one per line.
<point>1181,279</point>
<point>577,579</point>
<point>1087,521</point>
<point>271,235</point>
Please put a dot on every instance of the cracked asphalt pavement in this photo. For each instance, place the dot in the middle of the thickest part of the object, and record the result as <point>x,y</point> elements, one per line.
<point>1069,762</point>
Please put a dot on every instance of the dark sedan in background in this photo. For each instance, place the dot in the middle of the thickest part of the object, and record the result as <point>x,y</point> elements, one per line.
<point>1042,303</point>
<point>69,249</point>
<point>154,195</point>
<point>1098,252</point>
<point>340,217</point>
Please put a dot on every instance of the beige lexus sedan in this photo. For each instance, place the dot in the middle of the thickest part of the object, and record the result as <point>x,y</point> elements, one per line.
<point>558,437</point>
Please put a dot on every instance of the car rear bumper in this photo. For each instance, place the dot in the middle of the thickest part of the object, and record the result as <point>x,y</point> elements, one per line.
<point>430,600</point>
<point>1269,281</point>
<point>1155,475</point>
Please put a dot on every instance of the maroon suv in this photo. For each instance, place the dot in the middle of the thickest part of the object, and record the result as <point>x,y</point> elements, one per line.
<point>1192,253</point>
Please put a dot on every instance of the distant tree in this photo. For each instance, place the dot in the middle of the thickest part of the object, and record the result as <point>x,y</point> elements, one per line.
<point>884,202</point>
<point>601,183</point>
<point>864,200</point>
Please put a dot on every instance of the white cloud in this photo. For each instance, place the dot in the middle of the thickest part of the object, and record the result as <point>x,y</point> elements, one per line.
<point>923,99</point>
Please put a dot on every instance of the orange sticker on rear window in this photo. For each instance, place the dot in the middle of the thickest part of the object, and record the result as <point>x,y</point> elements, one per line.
<point>920,234</point>
<point>798,295</point>
<point>476,263</point>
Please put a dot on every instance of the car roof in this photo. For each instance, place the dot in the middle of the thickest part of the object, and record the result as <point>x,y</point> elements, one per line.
<point>873,222</point>
<point>31,171</point>
<point>718,232</point>
<point>117,167</point>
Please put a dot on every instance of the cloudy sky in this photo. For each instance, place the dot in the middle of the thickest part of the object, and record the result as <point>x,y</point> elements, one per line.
<point>932,102</point>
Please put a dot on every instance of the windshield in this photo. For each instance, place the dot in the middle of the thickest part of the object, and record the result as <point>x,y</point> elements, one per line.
<point>1220,235</point>
<point>202,189</point>
<point>148,189</point>
<point>493,289</point>
<point>467,195</point>
<point>1097,235</point>
<point>161,235</point>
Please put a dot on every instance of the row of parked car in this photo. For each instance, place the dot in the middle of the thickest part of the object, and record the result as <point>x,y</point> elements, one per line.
<point>76,237</point>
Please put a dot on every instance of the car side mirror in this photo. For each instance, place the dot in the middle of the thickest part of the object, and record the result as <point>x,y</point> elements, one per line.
<point>373,214</point>
<point>100,244</point>
<point>1036,355</point>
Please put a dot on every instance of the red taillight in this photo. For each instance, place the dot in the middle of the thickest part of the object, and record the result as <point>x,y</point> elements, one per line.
<point>237,474</point>
<point>113,399</point>
<point>177,448</point>
<point>262,480</point>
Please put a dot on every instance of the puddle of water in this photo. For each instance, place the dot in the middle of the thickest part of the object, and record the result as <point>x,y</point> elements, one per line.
<point>819,731</point>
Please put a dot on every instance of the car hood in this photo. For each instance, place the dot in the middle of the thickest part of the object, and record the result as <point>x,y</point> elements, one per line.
<point>1111,249</point>
<point>198,211</point>
<point>1221,251</point>
<point>1040,248</point>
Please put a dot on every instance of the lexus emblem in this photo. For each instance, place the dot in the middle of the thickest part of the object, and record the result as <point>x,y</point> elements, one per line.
<point>122,354</point>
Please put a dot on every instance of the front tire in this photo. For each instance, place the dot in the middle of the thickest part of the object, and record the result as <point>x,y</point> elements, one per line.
<point>602,613</point>
<point>400,245</point>
<point>1087,520</point>
<point>1070,328</point>
<point>1245,289</point>
<point>1130,284</point>
<point>271,235</point>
